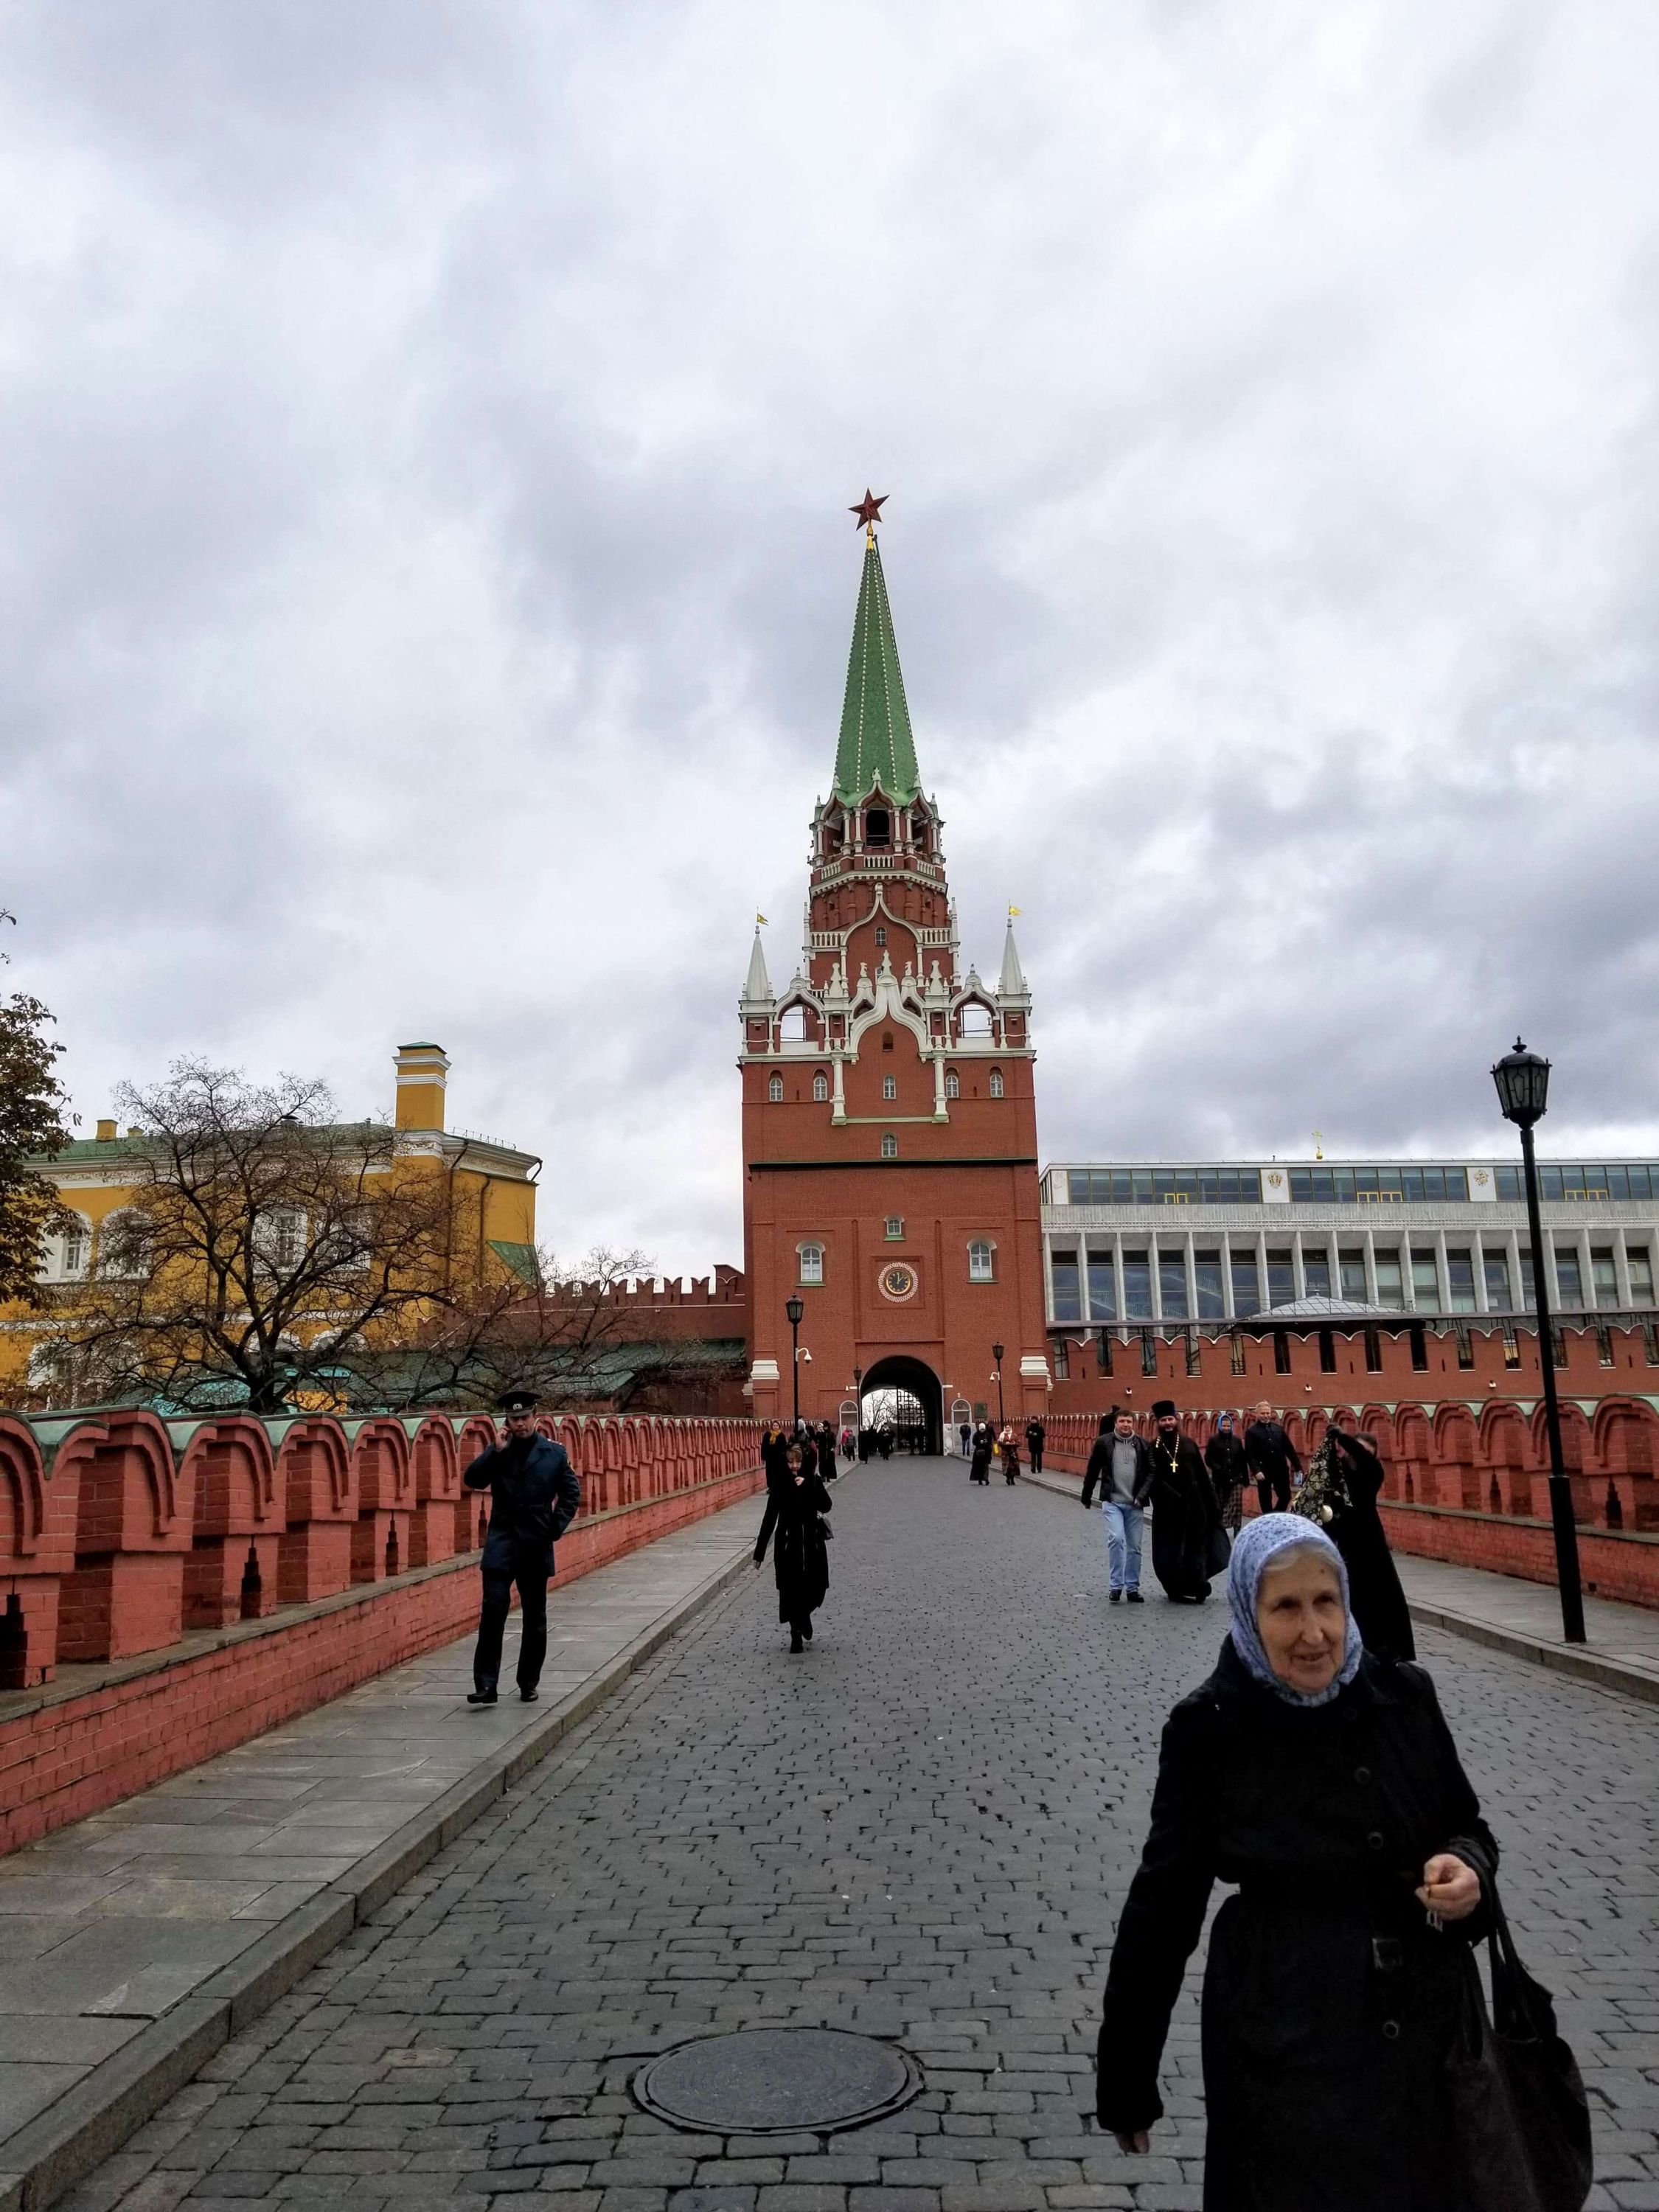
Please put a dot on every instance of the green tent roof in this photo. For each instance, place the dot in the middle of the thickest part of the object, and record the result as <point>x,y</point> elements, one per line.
<point>876,744</point>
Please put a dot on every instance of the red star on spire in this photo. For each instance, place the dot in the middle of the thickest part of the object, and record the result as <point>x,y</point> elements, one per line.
<point>868,509</point>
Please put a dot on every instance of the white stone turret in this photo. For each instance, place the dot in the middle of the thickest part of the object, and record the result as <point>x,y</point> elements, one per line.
<point>758,995</point>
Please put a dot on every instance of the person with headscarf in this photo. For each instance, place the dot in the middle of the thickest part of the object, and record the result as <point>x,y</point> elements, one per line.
<point>1184,1515</point>
<point>1344,1476</point>
<point>979,1467</point>
<point>1325,1785</point>
<point>1223,1459</point>
<point>796,1501</point>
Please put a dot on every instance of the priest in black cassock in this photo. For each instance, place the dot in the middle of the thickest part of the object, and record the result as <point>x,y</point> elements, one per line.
<point>1185,1516</point>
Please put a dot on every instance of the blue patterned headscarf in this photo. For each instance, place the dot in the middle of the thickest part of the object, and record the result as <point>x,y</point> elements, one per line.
<point>1258,1545</point>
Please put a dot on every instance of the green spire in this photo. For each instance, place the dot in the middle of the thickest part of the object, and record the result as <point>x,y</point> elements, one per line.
<point>876,744</point>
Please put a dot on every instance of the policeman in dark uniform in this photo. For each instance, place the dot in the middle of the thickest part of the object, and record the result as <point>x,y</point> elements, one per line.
<point>533,1498</point>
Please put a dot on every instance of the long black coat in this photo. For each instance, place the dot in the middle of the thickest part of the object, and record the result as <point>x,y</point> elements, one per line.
<point>1355,1528</point>
<point>1184,1515</point>
<point>1329,2001</point>
<point>1223,1456</point>
<point>534,1496</point>
<point>800,1556</point>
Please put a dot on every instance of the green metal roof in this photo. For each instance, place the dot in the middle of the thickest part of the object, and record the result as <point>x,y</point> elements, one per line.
<point>876,744</point>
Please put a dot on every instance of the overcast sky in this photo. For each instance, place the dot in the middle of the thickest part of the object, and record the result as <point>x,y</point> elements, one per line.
<point>426,578</point>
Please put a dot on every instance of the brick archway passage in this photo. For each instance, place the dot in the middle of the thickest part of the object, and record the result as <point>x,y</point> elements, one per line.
<point>901,1372</point>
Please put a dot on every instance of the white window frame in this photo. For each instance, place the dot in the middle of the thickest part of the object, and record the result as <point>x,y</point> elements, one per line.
<point>952,1084</point>
<point>988,1273</point>
<point>889,1087</point>
<point>820,1088</point>
<point>889,1145</point>
<point>894,1230</point>
<point>996,1083</point>
<point>809,1264</point>
<point>775,1090</point>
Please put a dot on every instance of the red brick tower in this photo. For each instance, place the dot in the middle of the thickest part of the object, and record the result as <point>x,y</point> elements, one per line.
<point>889,1119</point>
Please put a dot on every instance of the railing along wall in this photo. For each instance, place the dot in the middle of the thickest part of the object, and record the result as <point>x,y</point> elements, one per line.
<point>121,1531</point>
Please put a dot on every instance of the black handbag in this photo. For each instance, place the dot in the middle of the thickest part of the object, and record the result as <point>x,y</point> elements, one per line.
<point>1519,2113</point>
<point>1218,1550</point>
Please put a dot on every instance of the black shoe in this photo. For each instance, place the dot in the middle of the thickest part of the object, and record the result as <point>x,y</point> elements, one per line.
<point>806,1630</point>
<point>1114,1595</point>
<point>528,1697</point>
<point>481,1696</point>
<point>1134,1597</point>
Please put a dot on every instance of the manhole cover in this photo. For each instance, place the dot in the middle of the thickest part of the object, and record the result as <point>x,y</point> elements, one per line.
<point>772,2081</point>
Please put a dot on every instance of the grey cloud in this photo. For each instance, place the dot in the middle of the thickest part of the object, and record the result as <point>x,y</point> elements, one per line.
<point>427,436</point>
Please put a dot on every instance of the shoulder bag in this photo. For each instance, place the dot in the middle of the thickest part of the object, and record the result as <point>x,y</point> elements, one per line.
<point>1519,2113</point>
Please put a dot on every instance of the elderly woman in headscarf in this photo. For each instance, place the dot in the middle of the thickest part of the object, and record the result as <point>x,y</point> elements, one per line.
<point>1324,1784</point>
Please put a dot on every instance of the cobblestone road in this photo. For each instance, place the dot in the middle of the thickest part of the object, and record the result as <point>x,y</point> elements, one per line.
<point>921,1828</point>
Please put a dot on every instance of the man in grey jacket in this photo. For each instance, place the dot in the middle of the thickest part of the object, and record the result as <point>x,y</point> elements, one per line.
<point>1126,1476</point>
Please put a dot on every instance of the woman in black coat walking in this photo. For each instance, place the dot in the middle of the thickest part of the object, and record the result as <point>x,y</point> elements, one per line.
<point>979,1467</point>
<point>796,1501</point>
<point>1325,1784</point>
<point>1223,1456</point>
<point>1344,1476</point>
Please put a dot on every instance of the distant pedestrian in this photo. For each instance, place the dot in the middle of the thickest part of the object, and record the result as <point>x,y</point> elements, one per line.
<point>967,1436</point>
<point>849,1445</point>
<point>1184,1515</point>
<point>1223,1456</point>
<point>1035,1437</point>
<point>1325,1784</point>
<point>1008,1452</point>
<point>534,1496</point>
<point>1273,1460</point>
<point>984,1444</point>
<point>1340,1495</point>
<point>795,1505</point>
<point>1126,1482</point>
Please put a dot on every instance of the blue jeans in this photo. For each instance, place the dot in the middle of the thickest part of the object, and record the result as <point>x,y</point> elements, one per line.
<point>1122,1544</point>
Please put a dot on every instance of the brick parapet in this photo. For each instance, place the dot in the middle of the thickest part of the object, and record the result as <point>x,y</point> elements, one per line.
<point>70,1747</point>
<point>119,1532</point>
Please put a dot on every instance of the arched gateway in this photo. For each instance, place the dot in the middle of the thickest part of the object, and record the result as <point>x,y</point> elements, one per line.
<point>901,1372</point>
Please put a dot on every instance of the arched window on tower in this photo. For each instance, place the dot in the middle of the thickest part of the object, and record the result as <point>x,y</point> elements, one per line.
<point>981,1261</point>
<point>919,831</point>
<point>996,1083</point>
<point>890,1146</point>
<point>877,826</point>
<point>812,1262</point>
<point>974,1020</point>
<point>774,1089</point>
<point>889,1086</point>
<point>952,1084</point>
<point>820,1086</point>
<point>793,1027</point>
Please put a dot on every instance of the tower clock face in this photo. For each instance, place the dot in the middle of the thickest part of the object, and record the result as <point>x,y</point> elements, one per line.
<point>898,1282</point>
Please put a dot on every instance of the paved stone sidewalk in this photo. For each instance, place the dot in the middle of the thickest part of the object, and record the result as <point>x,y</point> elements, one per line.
<point>921,1828</point>
<point>115,1923</point>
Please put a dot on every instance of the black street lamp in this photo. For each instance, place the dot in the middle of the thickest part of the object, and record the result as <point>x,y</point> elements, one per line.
<point>794,1308</point>
<point>996,1354</point>
<point>1524,1082</point>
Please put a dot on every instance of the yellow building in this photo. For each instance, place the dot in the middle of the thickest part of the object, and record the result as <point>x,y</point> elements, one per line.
<point>490,1210</point>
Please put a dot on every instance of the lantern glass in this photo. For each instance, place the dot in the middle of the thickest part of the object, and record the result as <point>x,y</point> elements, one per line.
<point>794,1308</point>
<point>996,1353</point>
<point>1523,1078</point>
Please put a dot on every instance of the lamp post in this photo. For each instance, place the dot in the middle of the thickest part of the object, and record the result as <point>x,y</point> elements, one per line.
<point>996,1354</point>
<point>1523,1081</point>
<point>794,1308</point>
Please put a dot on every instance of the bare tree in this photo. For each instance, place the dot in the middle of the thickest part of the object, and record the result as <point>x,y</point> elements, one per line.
<point>264,1245</point>
<point>560,1337</point>
<point>32,1128</point>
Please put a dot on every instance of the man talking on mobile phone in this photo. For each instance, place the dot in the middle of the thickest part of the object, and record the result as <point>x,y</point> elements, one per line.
<point>533,1497</point>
